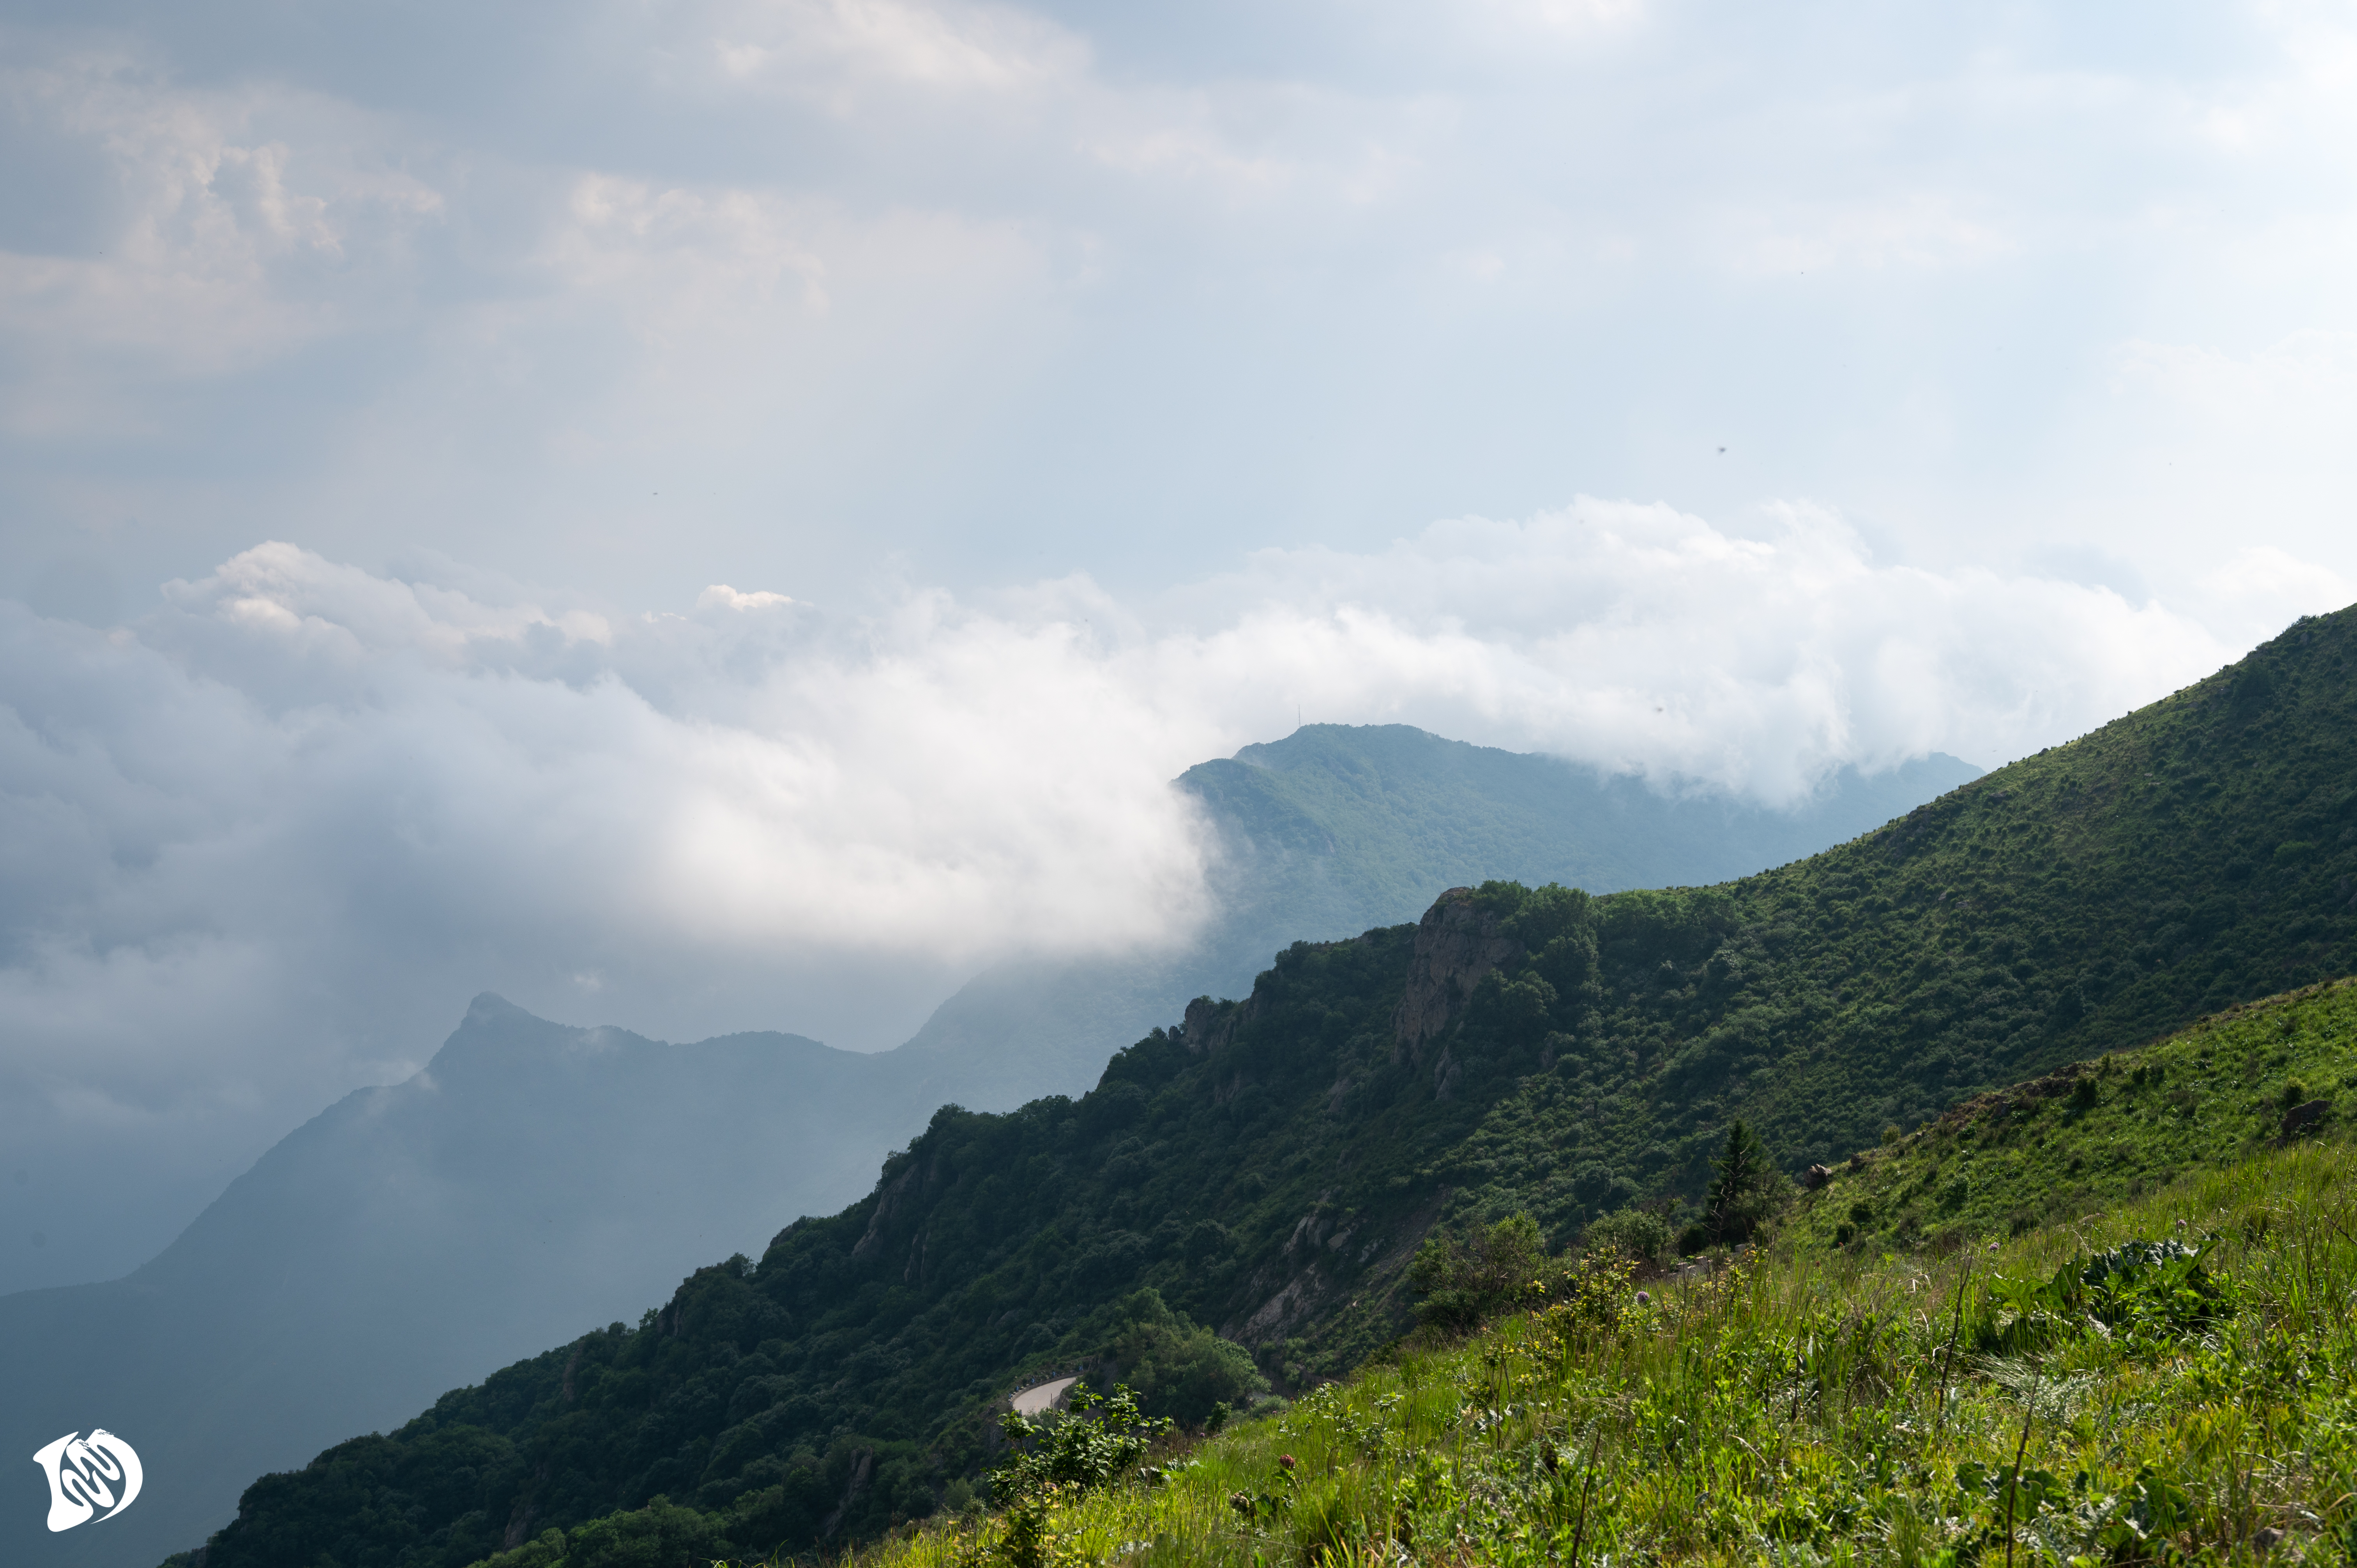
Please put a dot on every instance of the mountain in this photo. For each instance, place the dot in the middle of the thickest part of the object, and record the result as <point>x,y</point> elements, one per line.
<point>1339,828</point>
<point>522,1189</point>
<point>1267,1166</point>
<point>536,1180</point>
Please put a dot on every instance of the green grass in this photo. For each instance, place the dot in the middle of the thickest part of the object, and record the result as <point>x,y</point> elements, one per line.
<point>2099,1133</point>
<point>1818,1407</point>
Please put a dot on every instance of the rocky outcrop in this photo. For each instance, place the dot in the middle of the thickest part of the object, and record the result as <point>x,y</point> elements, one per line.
<point>903,1192</point>
<point>1289,1307</point>
<point>863,1470</point>
<point>1458,944</point>
<point>1209,1024</point>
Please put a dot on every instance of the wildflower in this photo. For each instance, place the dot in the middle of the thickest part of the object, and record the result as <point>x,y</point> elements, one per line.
<point>1644,1298</point>
<point>1284,1461</point>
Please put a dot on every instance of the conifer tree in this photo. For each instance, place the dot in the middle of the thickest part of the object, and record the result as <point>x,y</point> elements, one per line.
<point>1746,1189</point>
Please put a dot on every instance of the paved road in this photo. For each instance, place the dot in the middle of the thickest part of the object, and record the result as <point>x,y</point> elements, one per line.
<point>1040,1396</point>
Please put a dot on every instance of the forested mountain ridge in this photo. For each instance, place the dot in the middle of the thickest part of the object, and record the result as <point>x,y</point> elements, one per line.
<point>1338,828</point>
<point>1266,1166</point>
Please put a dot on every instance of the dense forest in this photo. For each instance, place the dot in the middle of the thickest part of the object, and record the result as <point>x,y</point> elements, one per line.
<point>1266,1168</point>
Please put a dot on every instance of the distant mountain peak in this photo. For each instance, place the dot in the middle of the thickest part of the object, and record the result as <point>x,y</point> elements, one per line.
<point>488,1006</point>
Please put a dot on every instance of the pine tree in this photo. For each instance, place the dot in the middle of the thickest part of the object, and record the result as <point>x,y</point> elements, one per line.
<point>1745,1190</point>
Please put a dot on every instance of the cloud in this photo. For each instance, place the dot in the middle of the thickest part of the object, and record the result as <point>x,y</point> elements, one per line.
<point>264,843</point>
<point>214,246</point>
<point>961,281</point>
<point>830,49</point>
<point>1638,638</point>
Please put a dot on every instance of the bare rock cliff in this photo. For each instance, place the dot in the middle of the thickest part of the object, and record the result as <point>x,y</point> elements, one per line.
<point>1457,946</point>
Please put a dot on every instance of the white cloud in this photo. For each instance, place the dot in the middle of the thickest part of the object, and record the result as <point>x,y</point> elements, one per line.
<point>263,843</point>
<point>222,247</point>
<point>1638,638</point>
<point>721,594</point>
<point>833,48</point>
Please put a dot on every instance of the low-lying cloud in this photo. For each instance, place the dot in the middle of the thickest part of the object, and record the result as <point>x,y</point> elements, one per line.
<point>264,842</point>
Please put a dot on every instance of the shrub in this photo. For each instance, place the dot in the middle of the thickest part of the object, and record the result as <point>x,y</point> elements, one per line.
<point>1638,1233</point>
<point>1179,1368</point>
<point>1064,1457</point>
<point>1461,1285</point>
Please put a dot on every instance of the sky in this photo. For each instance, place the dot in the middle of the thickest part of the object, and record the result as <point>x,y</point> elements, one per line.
<point>721,516</point>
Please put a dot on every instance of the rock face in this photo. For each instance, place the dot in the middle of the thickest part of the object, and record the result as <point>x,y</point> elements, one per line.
<point>1457,946</point>
<point>1209,1024</point>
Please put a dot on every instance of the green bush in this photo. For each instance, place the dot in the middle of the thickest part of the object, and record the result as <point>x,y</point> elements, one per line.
<point>1460,1283</point>
<point>1063,1457</point>
<point>1179,1368</point>
<point>1638,1233</point>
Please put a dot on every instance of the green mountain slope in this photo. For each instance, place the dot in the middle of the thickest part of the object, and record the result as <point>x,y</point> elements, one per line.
<point>1341,828</point>
<point>2096,1135</point>
<point>1267,1167</point>
<point>1808,1408</point>
<point>1336,828</point>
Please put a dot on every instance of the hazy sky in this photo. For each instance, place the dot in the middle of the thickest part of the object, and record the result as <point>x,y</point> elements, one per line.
<point>712,516</point>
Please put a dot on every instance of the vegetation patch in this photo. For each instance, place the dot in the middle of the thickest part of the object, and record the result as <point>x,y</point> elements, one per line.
<point>2084,1138</point>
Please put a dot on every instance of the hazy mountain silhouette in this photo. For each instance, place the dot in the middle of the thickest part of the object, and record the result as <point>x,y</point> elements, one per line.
<point>534,1179</point>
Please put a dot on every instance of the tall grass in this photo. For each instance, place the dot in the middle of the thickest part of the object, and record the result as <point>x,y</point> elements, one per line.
<point>1808,1408</point>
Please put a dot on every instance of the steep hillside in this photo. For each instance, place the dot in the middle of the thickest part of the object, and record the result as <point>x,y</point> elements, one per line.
<point>1267,1166</point>
<point>2079,1396</point>
<point>1349,828</point>
<point>1339,828</point>
<point>2095,1134</point>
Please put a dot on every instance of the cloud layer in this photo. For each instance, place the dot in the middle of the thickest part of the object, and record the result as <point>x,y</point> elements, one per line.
<point>264,842</point>
<point>791,289</point>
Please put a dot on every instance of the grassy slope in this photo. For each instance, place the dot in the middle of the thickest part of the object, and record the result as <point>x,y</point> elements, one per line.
<point>2054,1151</point>
<point>2191,855</point>
<point>1810,1407</point>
